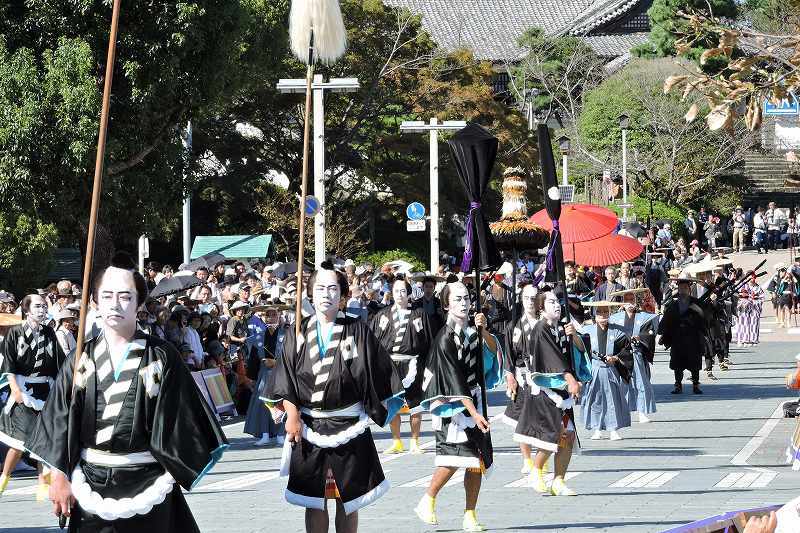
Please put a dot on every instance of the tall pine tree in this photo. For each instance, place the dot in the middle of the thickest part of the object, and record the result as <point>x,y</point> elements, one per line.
<point>666,22</point>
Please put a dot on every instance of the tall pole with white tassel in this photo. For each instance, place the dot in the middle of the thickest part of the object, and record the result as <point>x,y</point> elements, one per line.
<point>316,32</point>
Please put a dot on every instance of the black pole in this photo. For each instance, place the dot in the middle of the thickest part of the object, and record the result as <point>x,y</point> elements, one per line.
<point>514,259</point>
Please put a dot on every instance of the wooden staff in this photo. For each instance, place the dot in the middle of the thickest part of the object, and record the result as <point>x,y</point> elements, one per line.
<point>316,32</point>
<point>98,185</point>
<point>298,306</point>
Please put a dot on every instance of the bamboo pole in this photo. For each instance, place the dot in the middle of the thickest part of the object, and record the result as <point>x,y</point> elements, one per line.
<point>304,189</point>
<point>97,187</point>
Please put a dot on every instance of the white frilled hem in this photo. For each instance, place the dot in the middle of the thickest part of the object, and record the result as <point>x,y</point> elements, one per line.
<point>368,498</point>
<point>323,441</point>
<point>536,443</point>
<point>309,502</point>
<point>337,439</point>
<point>113,509</point>
<point>507,420</point>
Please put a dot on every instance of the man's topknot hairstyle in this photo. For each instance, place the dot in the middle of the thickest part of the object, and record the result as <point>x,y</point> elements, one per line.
<point>123,261</point>
<point>341,278</point>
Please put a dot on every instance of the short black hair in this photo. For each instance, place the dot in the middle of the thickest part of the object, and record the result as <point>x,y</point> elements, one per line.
<point>341,279</point>
<point>201,268</point>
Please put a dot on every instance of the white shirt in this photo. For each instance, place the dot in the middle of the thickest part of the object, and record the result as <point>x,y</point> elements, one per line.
<point>66,340</point>
<point>193,339</point>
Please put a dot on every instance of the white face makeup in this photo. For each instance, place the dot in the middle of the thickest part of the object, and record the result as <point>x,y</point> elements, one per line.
<point>552,307</point>
<point>38,309</point>
<point>117,301</point>
<point>458,302</point>
<point>400,294</point>
<point>529,300</point>
<point>326,291</point>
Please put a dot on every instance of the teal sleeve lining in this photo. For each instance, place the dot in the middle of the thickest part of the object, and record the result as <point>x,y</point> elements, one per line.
<point>216,455</point>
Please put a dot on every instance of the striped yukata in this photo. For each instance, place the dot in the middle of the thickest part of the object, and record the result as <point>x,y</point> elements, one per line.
<point>452,375</point>
<point>33,356</point>
<point>406,334</point>
<point>749,314</point>
<point>136,432</point>
<point>341,379</point>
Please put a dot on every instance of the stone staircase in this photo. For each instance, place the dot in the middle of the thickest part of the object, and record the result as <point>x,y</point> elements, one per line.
<point>771,178</point>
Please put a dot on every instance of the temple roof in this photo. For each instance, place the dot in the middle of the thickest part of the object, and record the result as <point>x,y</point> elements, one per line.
<point>491,28</point>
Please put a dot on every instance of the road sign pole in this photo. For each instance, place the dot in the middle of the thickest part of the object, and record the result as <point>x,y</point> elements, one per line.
<point>434,173</point>
<point>319,172</point>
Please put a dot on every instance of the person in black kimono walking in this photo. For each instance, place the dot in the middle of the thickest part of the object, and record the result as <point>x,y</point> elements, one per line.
<point>683,331</point>
<point>30,357</point>
<point>451,389</point>
<point>131,430</point>
<point>406,334</point>
<point>333,381</point>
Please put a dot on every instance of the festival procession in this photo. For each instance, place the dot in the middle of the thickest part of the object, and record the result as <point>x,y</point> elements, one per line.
<point>224,307</point>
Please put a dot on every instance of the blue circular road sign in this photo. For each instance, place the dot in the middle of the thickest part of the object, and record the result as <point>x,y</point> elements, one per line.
<point>415,211</point>
<point>311,206</point>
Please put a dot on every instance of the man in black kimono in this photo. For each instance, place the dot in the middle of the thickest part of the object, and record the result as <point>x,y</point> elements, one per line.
<point>546,421</point>
<point>683,331</point>
<point>655,276</point>
<point>130,430</point>
<point>406,334</point>
<point>30,357</point>
<point>332,382</point>
<point>452,392</point>
<point>518,346</point>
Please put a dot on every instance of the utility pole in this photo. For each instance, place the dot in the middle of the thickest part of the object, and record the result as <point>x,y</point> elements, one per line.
<point>433,128</point>
<point>337,85</point>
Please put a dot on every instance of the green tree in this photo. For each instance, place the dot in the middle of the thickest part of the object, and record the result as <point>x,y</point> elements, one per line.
<point>669,159</point>
<point>666,22</point>
<point>175,61</point>
<point>26,248</point>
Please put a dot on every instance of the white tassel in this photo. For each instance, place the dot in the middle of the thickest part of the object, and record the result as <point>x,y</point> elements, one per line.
<point>325,18</point>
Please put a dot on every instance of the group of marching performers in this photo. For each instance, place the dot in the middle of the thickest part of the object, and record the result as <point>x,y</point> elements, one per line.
<point>342,373</point>
<point>121,433</point>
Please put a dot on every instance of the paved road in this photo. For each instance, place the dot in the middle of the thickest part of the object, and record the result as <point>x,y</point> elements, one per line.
<point>702,455</point>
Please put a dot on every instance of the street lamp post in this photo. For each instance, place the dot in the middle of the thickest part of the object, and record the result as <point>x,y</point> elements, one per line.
<point>433,127</point>
<point>337,85</point>
<point>563,145</point>
<point>624,123</point>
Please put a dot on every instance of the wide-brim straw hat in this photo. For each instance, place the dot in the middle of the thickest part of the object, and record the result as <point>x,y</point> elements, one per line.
<point>267,306</point>
<point>10,319</point>
<point>64,314</point>
<point>637,290</point>
<point>419,276</point>
<point>602,303</point>
<point>238,304</point>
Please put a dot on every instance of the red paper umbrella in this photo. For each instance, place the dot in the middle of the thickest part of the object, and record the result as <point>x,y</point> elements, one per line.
<point>579,222</point>
<point>611,249</point>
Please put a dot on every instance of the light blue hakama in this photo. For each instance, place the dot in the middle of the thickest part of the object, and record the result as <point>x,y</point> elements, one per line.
<point>641,396</point>
<point>604,403</point>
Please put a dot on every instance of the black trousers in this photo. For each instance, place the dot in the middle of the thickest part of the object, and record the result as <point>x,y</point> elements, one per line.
<point>695,376</point>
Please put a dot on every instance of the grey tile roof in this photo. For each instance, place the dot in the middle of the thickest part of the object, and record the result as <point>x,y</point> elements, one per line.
<point>614,45</point>
<point>491,28</point>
